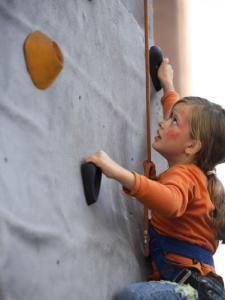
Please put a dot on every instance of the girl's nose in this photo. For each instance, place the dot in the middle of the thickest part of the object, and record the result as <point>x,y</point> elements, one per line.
<point>161,124</point>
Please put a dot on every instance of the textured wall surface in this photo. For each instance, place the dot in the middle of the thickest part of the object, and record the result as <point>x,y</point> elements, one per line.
<point>53,246</point>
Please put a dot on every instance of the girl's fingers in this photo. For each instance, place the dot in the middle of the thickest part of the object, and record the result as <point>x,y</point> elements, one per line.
<point>166,60</point>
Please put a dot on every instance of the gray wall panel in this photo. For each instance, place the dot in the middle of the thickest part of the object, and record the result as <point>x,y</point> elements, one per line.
<point>53,246</point>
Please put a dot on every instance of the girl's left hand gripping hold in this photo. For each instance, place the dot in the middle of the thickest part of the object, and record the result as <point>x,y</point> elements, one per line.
<point>112,169</point>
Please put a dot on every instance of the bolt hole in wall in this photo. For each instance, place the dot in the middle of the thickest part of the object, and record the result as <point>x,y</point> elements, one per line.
<point>206,26</point>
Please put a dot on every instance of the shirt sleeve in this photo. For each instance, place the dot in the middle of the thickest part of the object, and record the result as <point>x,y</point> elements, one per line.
<point>168,101</point>
<point>169,196</point>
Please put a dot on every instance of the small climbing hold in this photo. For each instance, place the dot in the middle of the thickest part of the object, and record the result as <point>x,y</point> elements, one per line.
<point>43,58</point>
<point>156,58</point>
<point>91,177</point>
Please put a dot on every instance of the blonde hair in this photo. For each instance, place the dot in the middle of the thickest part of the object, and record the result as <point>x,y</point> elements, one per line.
<point>207,124</point>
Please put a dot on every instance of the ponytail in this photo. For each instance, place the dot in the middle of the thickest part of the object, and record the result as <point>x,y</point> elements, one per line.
<point>217,195</point>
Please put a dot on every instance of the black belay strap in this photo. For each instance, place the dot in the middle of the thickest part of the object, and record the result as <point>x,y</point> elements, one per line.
<point>209,287</point>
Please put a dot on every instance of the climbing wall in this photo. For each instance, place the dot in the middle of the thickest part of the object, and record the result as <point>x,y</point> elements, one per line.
<point>52,245</point>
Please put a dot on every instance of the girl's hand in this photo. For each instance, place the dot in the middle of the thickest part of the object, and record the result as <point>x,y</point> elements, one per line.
<point>112,169</point>
<point>108,166</point>
<point>165,75</point>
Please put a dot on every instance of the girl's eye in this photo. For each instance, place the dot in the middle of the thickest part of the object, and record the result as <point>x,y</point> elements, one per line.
<point>173,118</point>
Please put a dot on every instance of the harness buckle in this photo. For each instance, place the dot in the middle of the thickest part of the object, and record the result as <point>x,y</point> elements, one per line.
<point>182,276</point>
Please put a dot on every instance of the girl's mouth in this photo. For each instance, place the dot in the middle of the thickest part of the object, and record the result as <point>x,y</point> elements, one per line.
<point>158,134</point>
<point>157,137</point>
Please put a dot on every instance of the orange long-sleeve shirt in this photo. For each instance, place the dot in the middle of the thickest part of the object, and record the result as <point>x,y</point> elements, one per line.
<point>180,203</point>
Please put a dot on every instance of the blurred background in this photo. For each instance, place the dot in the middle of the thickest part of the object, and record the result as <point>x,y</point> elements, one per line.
<point>191,34</point>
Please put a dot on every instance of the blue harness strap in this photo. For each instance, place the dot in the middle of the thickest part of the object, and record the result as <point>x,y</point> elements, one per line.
<point>160,245</point>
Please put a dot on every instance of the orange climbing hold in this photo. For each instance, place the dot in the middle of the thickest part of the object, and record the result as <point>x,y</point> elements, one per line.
<point>44,59</point>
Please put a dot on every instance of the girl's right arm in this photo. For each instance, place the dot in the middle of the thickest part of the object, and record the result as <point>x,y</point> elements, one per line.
<point>112,169</point>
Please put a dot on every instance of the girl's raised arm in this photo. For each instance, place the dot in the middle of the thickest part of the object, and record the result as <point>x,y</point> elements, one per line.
<point>165,75</point>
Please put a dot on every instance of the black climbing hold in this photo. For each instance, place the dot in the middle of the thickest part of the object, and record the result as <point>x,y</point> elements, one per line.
<point>91,177</point>
<point>155,58</point>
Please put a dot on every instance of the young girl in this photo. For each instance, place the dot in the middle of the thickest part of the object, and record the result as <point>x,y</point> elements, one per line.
<point>187,200</point>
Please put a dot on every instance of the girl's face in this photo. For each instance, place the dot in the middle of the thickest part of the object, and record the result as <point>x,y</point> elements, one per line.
<point>173,135</point>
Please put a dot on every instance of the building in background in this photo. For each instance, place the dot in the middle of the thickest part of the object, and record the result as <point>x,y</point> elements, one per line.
<point>171,34</point>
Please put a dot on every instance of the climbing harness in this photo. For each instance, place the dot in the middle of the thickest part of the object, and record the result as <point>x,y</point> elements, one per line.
<point>149,167</point>
<point>160,245</point>
<point>209,287</point>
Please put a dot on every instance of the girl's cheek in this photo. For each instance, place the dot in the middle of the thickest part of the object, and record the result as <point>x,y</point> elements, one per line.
<point>172,134</point>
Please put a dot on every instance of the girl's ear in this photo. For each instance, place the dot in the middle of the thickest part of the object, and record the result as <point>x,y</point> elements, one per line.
<point>193,147</point>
